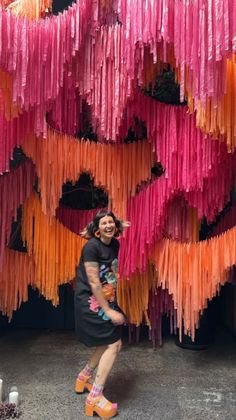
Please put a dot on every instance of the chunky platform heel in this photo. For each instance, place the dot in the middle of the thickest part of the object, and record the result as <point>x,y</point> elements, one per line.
<point>82,385</point>
<point>100,406</point>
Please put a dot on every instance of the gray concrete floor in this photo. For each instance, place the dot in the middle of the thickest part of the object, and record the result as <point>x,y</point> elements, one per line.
<point>170,383</point>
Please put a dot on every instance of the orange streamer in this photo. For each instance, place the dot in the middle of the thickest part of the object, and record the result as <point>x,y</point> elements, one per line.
<point>117,168</point>
<point>133,296</point>
<point>17,274</point>
<point>194,273</point>
<point>220,118</point>
<point>216,118</point>
<point>153,68</point>
<point>7,107</point>
<point>55,249</point>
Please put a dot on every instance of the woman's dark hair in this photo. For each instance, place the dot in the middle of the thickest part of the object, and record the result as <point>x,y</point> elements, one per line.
<point>93,226</point>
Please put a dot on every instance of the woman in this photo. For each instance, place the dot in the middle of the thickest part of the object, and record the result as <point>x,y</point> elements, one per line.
<point>98,318</point>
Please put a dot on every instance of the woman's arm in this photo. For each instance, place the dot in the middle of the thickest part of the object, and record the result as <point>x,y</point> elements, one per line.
<point>92,271</point>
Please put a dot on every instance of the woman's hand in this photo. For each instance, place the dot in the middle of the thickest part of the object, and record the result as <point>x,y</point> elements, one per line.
<point>116,317</point>
<point>125,224</point>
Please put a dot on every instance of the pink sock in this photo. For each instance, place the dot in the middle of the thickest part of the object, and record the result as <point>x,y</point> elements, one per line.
<point>87,371</point>
<point>96,391</point>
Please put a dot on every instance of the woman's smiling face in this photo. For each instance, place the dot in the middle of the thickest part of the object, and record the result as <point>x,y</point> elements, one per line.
<point>107,228</point>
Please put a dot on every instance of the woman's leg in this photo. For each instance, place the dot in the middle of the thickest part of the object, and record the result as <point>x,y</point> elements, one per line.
<point>96,356</point>
<point>92,363</point>
<point>95,400</point>
<point>106,362</point>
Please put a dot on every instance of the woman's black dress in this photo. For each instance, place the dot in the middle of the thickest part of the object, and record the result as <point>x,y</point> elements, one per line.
<point>92,325</point>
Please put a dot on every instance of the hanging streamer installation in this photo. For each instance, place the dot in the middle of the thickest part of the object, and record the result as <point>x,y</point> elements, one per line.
<point>52,66</point>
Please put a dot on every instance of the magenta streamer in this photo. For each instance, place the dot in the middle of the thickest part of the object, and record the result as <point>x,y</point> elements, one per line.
<point>177,221</point>
<point>74,219</point>
<point>160,303</point>
<point>19,182</point>
<point>188,155</point>
<point>66,111</point>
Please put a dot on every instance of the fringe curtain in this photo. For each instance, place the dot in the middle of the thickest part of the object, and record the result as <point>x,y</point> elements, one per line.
<point>11,131</point>
<point>202,34</point>
<point>35,52</point>
<point>118,169</point>
<point>193,273</point>
<point>187,155</point>
<point>18,272</point>
<point>31,9</point>
<point>203,39</point>
<point>181,224</point>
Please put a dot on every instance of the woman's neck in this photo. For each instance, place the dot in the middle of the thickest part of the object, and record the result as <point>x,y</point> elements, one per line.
<point>106,241</point>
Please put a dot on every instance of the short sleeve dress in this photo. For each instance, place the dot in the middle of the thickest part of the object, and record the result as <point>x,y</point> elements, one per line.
<point>92,325</point>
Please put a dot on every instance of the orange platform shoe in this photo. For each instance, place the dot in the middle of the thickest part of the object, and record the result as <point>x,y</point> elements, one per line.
<point>100,406</point>
<point>82,385</point>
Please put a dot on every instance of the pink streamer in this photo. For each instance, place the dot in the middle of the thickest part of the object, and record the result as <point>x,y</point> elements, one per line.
<point>201,32</point>
<point>188,155</point>
<point>178,224</point>
<point>35,52</point>
<point>160,303</point>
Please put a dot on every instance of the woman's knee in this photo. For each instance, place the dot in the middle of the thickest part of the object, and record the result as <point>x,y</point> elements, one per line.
<point>116,347</point>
